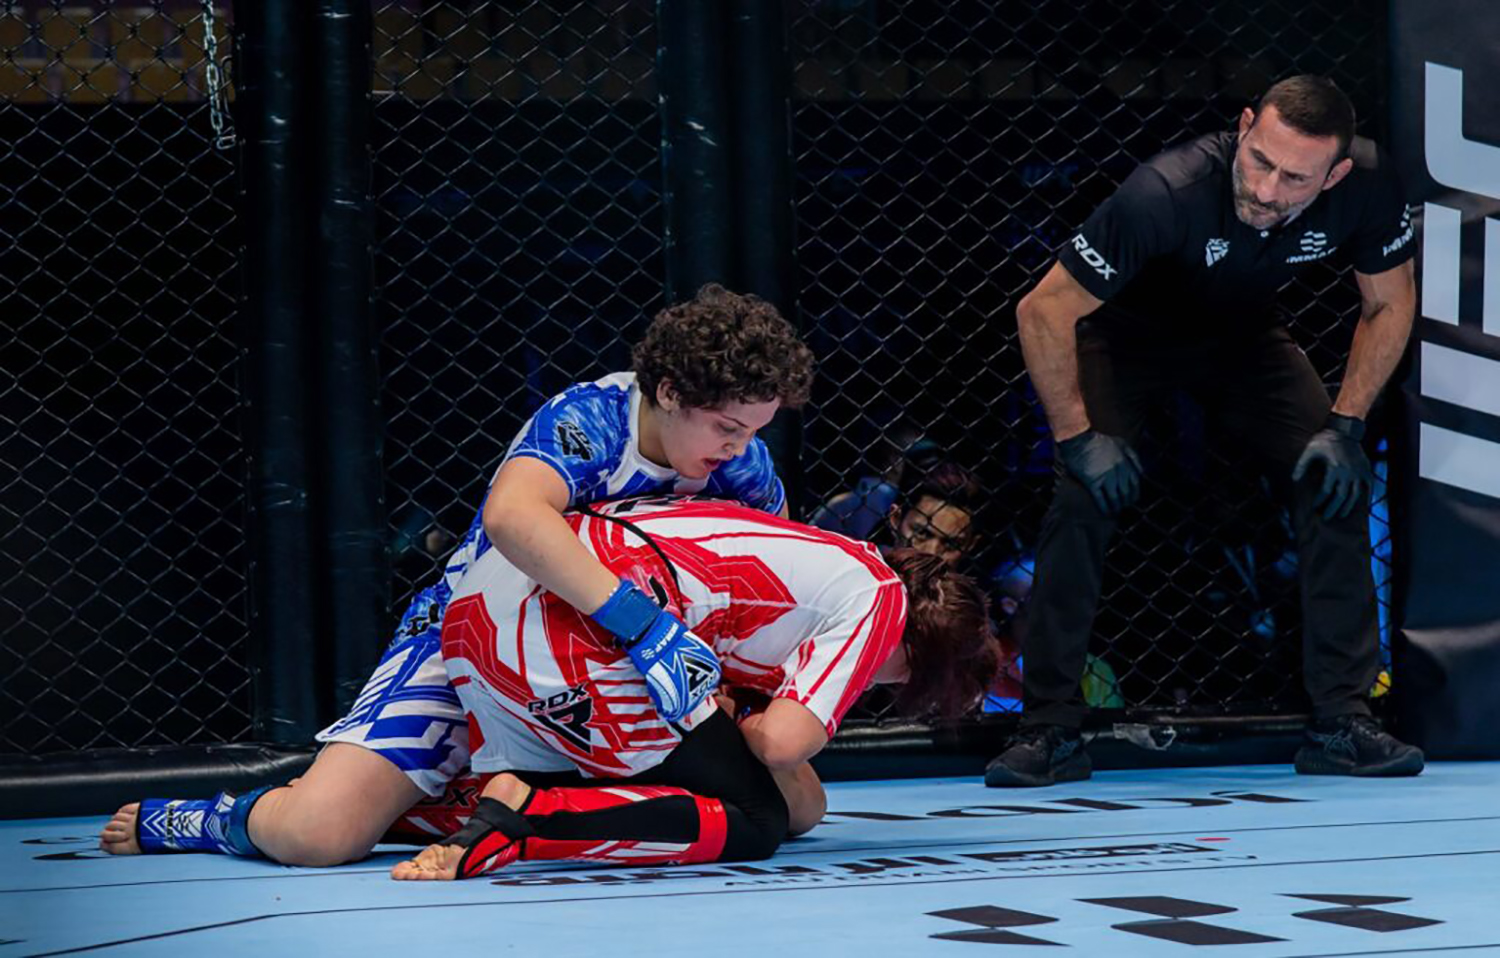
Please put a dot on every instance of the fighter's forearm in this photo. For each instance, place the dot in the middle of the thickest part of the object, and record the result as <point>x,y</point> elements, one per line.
<point>785,735</point>
<point>806,801</point>
<point>1050,344</point>
<point>1379,340</point>
<point>541,544</point>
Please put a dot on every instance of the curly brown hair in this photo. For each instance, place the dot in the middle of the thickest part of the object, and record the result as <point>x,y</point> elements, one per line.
<point>723,347</point>
<point>950,648</point>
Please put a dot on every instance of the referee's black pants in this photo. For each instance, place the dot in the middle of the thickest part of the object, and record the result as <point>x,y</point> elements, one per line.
<point>1264,392</point>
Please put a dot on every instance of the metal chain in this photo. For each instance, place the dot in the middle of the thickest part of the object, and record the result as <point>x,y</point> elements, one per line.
<point>218,115</point>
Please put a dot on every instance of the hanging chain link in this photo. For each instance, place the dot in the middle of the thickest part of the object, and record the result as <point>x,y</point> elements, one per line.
<point>218,113</point>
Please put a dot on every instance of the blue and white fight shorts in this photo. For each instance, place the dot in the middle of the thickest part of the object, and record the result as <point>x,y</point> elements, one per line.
<point>408,712</point>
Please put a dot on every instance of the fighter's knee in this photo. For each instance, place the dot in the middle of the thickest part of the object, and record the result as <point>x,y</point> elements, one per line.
<point>300,830</point>
<point>321,844</point>
<point>756,833</point>
<point>761,843</point>
<point>773,827</point>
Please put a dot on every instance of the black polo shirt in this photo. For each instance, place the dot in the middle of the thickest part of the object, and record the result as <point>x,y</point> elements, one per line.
<point>1172,261</point>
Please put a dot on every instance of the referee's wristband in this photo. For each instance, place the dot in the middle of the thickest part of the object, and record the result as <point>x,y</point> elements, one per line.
<point>1351,426</point>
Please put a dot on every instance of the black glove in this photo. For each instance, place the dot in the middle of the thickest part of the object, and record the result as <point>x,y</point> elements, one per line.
<point>1347,477</point>
<point>1107,466</point>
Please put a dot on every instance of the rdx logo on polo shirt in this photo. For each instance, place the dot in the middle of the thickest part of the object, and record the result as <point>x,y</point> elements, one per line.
<point>1092,257</point>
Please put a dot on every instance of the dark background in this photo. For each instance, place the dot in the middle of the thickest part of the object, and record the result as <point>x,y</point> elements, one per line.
<point>941,151</point>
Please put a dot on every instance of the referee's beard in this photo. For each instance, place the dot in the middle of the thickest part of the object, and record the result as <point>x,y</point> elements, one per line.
<point>1258,215</point>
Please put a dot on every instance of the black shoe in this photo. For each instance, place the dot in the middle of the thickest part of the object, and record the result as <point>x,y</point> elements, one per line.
<point>1356,745</point>
<point>1040,755</point>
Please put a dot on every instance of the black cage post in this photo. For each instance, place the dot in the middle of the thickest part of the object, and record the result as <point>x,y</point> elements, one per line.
<point>726,160</point>
<point>761,111</point>
<point>694,148</point>
<point>283,624</point>
<point>351,504</point>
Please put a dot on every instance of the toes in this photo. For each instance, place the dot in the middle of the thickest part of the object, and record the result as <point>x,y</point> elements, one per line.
<point>404,871</point>
<point>416,871</point>
<point>434,863</point>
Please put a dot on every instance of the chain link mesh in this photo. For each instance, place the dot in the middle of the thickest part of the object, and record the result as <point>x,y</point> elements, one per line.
<point>518,235</point>
<point>943,152</point>
<point>122,576</point>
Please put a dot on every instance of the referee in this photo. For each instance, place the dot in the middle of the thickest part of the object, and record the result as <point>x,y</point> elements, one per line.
<point>1171,283</point>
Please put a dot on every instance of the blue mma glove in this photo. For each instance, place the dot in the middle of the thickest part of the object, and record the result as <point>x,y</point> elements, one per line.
<point>680,669</point>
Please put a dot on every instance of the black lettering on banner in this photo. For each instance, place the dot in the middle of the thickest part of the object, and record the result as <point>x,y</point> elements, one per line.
<point>1175,926</point>
<point>1355,915</point>
<point>871,866</point>
<point>876,817</point>
<point>615,878</point>
<point>91,848</point>
<point>1257,797</point>
<point>72,856</point>
<point>1094,805</point>
<point>991,921</point>
<point>1182,802</point>
<point>1074,854</point>
<point>999,811</point>
<point>1173,921</point>
<point>1077,805</point>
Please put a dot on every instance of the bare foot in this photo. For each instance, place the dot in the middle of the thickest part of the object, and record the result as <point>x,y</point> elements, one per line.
<point>433,863</point>
<point>118,836</point>
<point>440,862</point>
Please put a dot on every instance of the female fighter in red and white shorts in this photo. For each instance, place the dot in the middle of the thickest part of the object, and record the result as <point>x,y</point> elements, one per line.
<point>579,763</point>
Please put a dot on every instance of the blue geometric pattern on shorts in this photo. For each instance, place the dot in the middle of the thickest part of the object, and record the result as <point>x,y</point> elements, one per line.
<point>424,614</point>
<point>410,723</point>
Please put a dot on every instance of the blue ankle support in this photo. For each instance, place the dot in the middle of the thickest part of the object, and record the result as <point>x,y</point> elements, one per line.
<point>219,824</point>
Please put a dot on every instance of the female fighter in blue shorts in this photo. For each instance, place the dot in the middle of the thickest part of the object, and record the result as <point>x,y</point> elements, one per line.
<point>708,375</point>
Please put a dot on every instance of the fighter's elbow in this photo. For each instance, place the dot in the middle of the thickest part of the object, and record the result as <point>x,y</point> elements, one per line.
<point>502,517</point>
<point>1039,310</point>
<point>1026,311</point>
<point>787,745</point>
<point>783,756</point>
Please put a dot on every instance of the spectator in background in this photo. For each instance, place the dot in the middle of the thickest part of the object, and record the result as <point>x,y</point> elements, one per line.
<point>938,515</point>
<point>859,512</point>
<point>1010,588</point>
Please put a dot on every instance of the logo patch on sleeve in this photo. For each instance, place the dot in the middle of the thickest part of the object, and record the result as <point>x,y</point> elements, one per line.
<point>572,440</point>
<point>1092,257</point>
<point>1404,237</point>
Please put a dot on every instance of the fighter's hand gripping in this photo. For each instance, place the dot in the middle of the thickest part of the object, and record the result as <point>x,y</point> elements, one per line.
<point>680,669</point>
